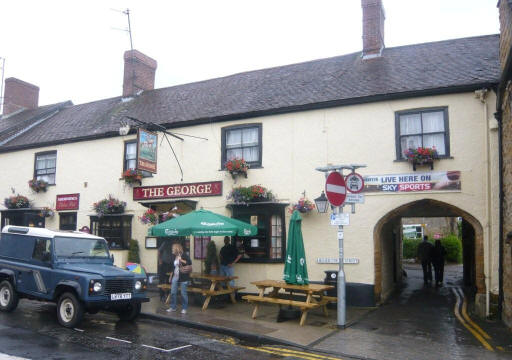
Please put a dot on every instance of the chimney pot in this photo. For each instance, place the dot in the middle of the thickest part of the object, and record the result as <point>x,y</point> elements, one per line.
<point>373,28</point>
<point>139,73</point>
<point>19,95</point>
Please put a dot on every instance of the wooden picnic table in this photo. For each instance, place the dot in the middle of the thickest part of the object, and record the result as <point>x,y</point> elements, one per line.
<point>314,296</point>
<point>216,287</point>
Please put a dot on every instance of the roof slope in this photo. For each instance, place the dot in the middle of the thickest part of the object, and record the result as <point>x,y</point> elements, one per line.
<point>405,71</point>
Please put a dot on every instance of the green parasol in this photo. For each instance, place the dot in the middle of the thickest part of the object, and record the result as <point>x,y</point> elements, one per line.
<point>203,223</point>
<point>295,268</point>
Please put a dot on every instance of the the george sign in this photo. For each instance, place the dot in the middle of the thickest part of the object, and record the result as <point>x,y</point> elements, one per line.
<point>340,219</point>
<point>354,183</point>
<point>335,189</point>
<point>337,261</point>
<point>67,202</point>
<point>147,142</point>
<point>354,199</point>
<point>212,188</point>
<point>413,182</point>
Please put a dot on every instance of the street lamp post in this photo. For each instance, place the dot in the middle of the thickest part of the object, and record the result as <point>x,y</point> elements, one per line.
<point>322,205</point>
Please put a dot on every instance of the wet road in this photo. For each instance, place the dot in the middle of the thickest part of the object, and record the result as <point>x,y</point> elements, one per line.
<point>32,331</point>
<point>421,323</point>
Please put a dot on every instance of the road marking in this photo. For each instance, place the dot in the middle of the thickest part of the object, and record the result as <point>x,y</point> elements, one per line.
<point>500,348</point>
<point>286,352</point>
<point>78,330</point>
<point>168,350</point>
<point>463,322</point>
<point>10,357</point>
<point>121,340</point>
<point>299,353</point>
<point>468,319</point>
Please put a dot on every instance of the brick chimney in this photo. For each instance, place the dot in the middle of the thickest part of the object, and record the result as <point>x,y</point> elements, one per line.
<point>19,95</point>
<point>139,73</point>
<point>373,28</point>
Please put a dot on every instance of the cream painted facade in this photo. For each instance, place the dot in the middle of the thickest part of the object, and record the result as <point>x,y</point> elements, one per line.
<point>293,145</point>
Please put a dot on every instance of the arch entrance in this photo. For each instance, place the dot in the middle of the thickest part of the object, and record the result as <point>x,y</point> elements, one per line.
<point>387,237</point>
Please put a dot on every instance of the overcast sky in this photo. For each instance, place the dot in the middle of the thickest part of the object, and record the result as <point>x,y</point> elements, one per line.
<point>71,50</point>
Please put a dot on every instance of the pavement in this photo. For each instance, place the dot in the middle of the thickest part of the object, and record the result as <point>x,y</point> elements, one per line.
<point>417,322</point>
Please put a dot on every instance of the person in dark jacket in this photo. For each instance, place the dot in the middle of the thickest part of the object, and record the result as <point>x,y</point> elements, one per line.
<point>424,254</point>
<point>228,257</point>
<point>438,255</point>
<point>179,278</point>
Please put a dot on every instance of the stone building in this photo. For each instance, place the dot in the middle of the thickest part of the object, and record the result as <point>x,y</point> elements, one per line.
<point>367,107</point>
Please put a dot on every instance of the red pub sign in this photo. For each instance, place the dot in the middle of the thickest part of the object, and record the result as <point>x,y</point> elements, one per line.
<point>211,188</point>
<point>68,202</point>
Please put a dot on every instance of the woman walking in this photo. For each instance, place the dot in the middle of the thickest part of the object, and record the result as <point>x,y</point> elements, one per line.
<point>438,253</point>
<point>181,266</point>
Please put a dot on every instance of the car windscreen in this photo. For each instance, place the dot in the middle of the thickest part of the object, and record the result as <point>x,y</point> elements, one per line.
<point>80,247</point>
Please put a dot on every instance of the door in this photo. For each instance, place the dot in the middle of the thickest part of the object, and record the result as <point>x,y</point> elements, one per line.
<point>37,279</point>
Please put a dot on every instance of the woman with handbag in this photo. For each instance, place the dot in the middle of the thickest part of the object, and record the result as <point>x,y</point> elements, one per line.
<point>181,267</point>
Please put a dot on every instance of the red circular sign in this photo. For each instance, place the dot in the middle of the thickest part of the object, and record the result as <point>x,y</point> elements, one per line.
<point>335,189</point>
<point>355,183</point>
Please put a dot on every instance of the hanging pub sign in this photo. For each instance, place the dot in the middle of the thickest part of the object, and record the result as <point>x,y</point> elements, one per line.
<point>67,202</point>
<point>413,182</point>
<point>147,142</point>
<point>211,188</point>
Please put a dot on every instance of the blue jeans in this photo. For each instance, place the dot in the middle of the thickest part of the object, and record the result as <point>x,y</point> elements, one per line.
<point>174,293</point>
<point>228,271</point>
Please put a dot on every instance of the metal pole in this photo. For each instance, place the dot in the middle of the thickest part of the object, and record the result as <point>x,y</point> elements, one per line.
<point>341,283</point>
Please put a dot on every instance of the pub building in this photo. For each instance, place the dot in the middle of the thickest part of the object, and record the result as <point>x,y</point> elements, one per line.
<point>370,107</point>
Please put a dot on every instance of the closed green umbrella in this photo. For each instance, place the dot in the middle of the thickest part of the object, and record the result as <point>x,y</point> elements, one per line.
<point>295,268</point>
<point>203,223</point>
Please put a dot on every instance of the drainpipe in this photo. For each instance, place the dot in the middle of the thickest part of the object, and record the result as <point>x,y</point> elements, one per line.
<point>482,96</point>
<point>498,116</point>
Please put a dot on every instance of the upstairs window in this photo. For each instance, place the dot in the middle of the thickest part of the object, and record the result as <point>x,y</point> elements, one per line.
<point>130,157</point>
<point>242,141</point>
<point>422,128</point>
<point>45,166</point>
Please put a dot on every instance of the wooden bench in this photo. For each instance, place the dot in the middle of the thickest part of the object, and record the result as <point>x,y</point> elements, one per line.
<point>313,295</point>
<point>214,289</point>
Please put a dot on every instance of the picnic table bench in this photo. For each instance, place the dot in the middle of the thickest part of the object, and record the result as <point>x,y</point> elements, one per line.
<point>215,288</point>
<point>314,296</point>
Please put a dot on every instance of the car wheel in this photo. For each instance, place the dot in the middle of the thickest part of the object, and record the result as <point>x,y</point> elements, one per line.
<point>8,296</point>
<point>130,312</point>
<point>69,310</point>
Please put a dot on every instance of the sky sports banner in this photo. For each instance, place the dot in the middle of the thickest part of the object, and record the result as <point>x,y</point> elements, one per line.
<point>413,182</point>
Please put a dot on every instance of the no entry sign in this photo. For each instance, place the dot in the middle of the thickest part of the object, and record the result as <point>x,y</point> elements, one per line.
<point>335,189</point>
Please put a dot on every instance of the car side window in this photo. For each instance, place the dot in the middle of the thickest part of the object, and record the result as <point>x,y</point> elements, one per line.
<point>42,250</point>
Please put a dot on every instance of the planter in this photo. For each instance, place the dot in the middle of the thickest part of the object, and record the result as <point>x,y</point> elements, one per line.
<point>421,163</point>
<point>234,174</point>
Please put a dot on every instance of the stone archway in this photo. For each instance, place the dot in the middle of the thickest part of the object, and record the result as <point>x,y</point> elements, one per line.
<point>427,208</point>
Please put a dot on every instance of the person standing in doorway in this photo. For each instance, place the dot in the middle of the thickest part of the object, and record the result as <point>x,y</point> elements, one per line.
<point>425,256</point>
<point>180,276</point>
<point>438,255</point>
<point>228,257</point>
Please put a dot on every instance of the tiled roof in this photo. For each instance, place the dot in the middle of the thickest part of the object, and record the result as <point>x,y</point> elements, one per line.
<point>405,71</point>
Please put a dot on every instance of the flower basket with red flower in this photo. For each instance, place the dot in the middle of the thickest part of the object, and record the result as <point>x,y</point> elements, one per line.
<point>17,202</point>
<point>38,185</point>
<point>237,167</point>
<point>422,156</point>
<point>149,217</point>
<point>253,193</point>
<point>132,176</point>
<point>109,205</point>
<point>303,205</point>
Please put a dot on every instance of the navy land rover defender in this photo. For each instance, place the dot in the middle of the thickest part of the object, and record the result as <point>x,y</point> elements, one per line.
<point>72,269</point>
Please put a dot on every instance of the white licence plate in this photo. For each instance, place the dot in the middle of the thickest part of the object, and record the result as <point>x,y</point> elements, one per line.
<point>122,296</point>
